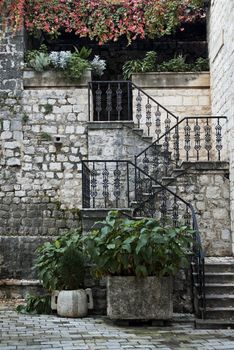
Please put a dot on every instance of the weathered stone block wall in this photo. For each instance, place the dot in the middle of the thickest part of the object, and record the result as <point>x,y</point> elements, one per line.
<point>221,54</point>
<point>40,183</point>
<point>206,186</point>
<point>40,178</point>
<point>183,94</point>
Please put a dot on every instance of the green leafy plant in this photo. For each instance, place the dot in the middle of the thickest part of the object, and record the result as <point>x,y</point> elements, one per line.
<point>25,118</point>
<point>60,264</point>
<point>30,55</point>
<point>47,108</point>
<point>83,53</point>
<point>76,66</point>
<point>41,62</point>
<point>122,246</point>
<point>148,64</point>
<point>45,136</point>
<point>201,64</point>
<point>36,304</point>
<point>176,64</point>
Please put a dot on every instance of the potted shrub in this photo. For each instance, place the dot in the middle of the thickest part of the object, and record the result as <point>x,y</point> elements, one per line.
<point>139,258</point>
<point>60,267</point>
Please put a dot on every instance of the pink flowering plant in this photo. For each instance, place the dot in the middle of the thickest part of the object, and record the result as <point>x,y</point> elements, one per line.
<point>103,20</point>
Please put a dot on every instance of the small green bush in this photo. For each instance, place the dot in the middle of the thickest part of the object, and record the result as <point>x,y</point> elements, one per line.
<point>176,64</point>
<point>36,304</point>
<point>60,264</point>
<point>148,64</point>
<point>126,247</point>
<point>76,67</point>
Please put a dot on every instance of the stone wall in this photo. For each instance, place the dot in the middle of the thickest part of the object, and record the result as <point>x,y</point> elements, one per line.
<point>43,139</point>
<point>221,54</point>
<point>183,94</point>
<point>206,186</point>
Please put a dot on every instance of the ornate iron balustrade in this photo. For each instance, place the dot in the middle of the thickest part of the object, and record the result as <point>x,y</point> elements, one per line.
<point>191,139</point>
<point>110,100</point>
<point>123,100</point>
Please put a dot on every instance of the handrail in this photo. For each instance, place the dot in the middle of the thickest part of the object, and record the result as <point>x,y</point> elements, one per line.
<point>175,126</point>
<point>152,99</point>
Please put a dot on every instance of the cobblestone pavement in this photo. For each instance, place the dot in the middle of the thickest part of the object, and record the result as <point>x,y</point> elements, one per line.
<point>98,333</point>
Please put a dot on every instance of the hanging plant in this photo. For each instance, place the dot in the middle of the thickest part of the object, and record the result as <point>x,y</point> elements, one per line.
<point>103,20</point>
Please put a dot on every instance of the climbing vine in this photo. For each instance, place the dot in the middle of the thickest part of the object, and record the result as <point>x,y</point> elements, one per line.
<point>103,20</point>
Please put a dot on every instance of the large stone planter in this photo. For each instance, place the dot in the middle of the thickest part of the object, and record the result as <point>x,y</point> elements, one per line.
<point>178,80</point>
<point>131,298</point>
<point>53,78</point>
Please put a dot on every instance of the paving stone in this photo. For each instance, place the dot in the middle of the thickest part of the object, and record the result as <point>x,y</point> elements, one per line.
<point>26,332</point>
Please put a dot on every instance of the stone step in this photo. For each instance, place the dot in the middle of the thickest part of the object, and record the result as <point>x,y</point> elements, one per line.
<point>219,277</point>
<point>225,313</point>
<point>219,288</point>
<point>148,139</point>
<point>220,265</point>
<point>91,215</point>
<point>214,324</point>
<point>220,300</point>
<point>138,131</point>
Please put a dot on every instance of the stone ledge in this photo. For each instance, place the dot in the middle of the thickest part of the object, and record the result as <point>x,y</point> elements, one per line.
<point>16,282</point>
<point>172,80</point>
<point>109,125</point>
<point>53,79</point>
<point>205,165</point>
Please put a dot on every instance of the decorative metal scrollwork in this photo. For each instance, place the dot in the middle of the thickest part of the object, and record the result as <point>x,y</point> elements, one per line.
<point>175,212</point>
<point>119,106</point>
<point>158,122</point>
<point>176,145</point>
<point>93,184</point>
<point>105,192</point>
<point>218,132</point>
<point>148,116</point>
<point>208,144</point>
<point>109,101</point>
<point>138,108</point>
<point>146,163</point>
<point>117,174</point>
<point>163,207</point>
<point>187,140</point>
<point>197,138</point>
<point>98,108</point>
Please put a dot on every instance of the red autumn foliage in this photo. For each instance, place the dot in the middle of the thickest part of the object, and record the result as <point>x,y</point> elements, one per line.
<point>104,20</point>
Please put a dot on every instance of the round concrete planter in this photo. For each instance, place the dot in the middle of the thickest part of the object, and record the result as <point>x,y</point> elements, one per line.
<point>74,303</point>
<point>131,298</point>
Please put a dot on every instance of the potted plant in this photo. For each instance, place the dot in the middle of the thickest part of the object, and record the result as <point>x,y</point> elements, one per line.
<point>139,258</point>
<point>60,267</point>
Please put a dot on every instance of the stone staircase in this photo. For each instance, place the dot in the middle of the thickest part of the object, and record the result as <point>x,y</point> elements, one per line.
<point>219,290</point>
<point>166,161</point>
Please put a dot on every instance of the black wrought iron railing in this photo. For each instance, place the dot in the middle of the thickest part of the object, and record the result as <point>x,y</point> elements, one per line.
<point>123,100</point>
<point>191,139</point>
<point>123,184</point>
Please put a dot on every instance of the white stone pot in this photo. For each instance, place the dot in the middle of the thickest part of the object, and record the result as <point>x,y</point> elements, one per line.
<point>132,298</point>
<point>74,303</point>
